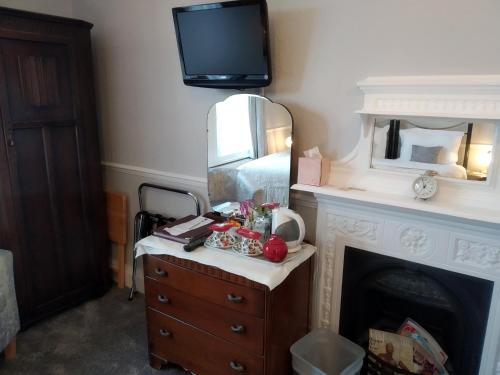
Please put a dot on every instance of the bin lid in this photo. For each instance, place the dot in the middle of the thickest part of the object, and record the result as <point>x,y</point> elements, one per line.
<point>328,353</point>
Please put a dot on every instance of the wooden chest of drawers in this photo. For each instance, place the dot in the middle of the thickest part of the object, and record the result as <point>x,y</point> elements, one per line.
<point>212,322</point>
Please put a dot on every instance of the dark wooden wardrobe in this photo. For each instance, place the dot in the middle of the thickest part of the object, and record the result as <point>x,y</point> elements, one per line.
<point>52,207</point>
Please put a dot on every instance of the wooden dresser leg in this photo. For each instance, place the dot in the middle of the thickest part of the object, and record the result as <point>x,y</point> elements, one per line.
<point>121,266</point>
<point>10,350</point>
<point>156,362</point>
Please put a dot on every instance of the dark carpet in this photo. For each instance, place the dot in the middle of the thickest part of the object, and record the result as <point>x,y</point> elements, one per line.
<point>106,336</point>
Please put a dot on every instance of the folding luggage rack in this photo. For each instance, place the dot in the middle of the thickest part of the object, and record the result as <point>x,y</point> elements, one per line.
<point>145,221</point>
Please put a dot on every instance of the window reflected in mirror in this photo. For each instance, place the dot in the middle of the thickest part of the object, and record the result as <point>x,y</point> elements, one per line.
<point>453,149</point>
<point>232,131</point>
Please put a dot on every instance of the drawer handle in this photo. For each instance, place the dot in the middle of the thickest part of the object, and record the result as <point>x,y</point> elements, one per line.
<point>165,333</point>
<point>236,366</point>
<point>160,272</point>
<point>235,299</point>
<point>238,328</point>
<point>163,299</point>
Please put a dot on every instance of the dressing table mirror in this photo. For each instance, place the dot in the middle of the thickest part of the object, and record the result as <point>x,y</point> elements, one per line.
<point>455,149</point>
<point>249,152</point>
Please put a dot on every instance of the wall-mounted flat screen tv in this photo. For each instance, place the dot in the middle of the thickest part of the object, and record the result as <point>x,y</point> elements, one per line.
<point>224,45</point>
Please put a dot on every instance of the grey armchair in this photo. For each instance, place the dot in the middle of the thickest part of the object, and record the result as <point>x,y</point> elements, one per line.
<point>9,315</point>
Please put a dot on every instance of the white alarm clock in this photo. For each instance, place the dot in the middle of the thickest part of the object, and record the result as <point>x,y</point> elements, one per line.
<point>425,186</point>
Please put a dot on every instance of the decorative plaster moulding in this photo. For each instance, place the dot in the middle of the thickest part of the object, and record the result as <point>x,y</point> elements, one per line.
<point>467,97</point>
<point>475,98</point>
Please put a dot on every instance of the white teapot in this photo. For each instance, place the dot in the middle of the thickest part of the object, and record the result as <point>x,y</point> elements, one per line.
<point>289,225</point>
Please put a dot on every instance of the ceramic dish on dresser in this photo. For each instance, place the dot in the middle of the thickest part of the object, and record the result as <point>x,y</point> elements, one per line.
<point>249,244</point>
<point>221,238</point>
<point>252,250</point>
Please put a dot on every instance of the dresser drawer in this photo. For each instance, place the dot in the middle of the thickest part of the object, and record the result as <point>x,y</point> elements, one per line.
<point>241,329</point>
<point>196,350</point>
<point>219,292</point>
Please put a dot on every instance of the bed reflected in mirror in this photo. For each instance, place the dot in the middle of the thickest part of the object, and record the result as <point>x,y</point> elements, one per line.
<point>249,152</point>
<point>453,149</point>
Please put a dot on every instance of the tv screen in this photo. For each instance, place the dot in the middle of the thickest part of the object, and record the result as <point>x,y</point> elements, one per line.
<point>224,45</point>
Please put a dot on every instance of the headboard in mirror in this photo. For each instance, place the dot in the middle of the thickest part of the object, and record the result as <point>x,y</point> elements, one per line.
<point>249,152</point>
<point>454,149</point>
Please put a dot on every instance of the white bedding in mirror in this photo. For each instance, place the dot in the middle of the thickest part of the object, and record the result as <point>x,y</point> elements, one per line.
<point>444,170</point>
<point>265,180</point>
<point>268,174</point>
<point>449,140</point>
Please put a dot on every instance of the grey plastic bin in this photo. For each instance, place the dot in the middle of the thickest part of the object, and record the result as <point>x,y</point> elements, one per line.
<point>323,352</point>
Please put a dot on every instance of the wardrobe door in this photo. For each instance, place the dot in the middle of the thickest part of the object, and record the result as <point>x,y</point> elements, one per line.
<point>46,160</point>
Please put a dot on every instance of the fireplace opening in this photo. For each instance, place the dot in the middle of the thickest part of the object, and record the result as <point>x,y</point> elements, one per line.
<point>381,292</point>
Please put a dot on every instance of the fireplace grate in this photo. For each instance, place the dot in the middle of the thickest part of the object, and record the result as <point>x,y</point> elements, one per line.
<point>373,365</point>
<point>380,292</point>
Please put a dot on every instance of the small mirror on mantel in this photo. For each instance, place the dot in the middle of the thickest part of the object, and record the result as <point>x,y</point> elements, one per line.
<point>454,149</point>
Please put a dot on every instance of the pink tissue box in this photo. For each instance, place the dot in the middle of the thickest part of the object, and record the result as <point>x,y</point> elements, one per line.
<point>313,171</point>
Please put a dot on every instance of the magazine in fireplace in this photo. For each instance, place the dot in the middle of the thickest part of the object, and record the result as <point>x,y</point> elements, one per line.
<point>411,349</point>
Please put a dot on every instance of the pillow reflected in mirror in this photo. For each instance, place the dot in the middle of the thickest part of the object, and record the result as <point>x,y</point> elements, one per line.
<point>449,140</point>
<point>424,154</point>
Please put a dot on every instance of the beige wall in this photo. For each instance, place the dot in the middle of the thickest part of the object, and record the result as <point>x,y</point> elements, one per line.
<point>56,7</point>
<point>149,117</point>
<point>153,127</point>
<point>320,49</point>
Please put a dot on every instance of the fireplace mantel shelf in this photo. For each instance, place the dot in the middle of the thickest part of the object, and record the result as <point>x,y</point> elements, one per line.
<point>404,202</point>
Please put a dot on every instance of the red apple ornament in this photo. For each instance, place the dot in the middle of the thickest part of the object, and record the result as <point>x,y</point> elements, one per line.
<point>275,249</point>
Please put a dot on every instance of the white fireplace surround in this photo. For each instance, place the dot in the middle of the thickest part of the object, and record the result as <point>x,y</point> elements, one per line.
<point>374,210</point>
<point>452,244</point>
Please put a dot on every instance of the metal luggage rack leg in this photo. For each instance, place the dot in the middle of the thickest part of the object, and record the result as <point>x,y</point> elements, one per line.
<point>145,222</point>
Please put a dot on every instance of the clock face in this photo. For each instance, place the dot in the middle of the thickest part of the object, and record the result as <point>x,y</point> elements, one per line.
<point>425,187</point>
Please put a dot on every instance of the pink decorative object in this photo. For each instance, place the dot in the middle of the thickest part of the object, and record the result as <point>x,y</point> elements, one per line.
<point>270,206</point>
<point>245,207</point>
<point>275,249</point>
<point>313,171</point>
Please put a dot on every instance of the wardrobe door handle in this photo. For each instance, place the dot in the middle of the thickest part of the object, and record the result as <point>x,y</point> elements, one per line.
<point>10,139</point>
<point>236,299</point>
<point>160,272</point>
<point>238,328</point>
<point>236,366</point>
<point>165,333</point>
<point>163,299</point>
